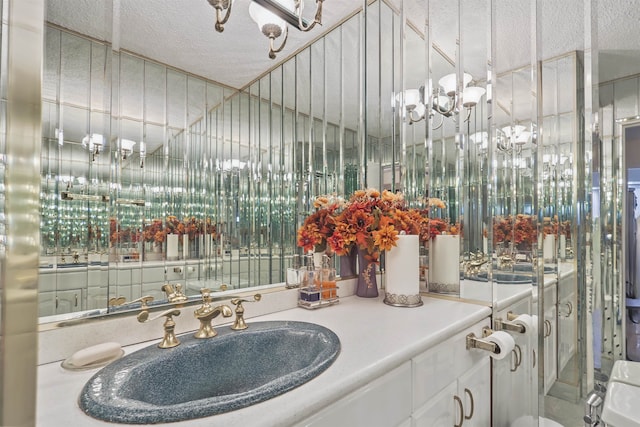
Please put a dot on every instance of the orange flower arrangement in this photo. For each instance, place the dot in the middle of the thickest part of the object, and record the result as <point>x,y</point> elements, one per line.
<point>521,232</point>
<point>157,232</point>
<point>370,220</point>
<point>154,232</point>
<point>118,234</point>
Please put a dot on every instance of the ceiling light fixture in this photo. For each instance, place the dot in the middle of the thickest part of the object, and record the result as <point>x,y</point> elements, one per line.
<point>272,17</point>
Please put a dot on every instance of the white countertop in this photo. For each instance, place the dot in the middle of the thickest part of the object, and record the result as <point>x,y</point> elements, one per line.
<point>375,338</point>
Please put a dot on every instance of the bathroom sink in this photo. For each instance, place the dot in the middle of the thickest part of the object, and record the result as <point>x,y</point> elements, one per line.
<point>204,377</point>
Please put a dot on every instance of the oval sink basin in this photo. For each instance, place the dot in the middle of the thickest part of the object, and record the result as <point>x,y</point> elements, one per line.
<point>204,377</point>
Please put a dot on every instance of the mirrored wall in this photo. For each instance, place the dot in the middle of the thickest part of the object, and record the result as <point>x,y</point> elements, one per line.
<point>153,175</point>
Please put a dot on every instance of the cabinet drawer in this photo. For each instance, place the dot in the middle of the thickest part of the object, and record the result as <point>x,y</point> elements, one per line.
<point>429,377</point>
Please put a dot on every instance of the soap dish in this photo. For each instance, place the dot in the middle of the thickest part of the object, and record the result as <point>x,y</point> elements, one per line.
<point>68,363</point>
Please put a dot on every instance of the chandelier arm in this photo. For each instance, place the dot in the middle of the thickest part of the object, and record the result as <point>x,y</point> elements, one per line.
<point>272,50</point>
<point>440,125</point>
<point>452,103</point>
<point>316,20</point>
<point>419,118</point>
<point>220,22</point>
<point>468,114</point>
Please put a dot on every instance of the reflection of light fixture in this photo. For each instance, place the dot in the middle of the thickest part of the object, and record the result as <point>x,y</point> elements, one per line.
<point>446,96</point>
<point>512,136</point>
<point>126,148</point>
<point>143,152</point>
<point>413,101</point>
<point>94,143</point>
<point>59,133</point>
<point>272,17</point>
<point>481,139</point>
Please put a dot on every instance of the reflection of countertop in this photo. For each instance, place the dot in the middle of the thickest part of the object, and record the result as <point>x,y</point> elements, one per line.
<point>503,295</point>
<point>375,338</point>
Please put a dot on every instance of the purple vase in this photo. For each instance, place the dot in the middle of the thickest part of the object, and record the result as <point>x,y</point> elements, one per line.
<point>367,283</point>
<point>348,263</point>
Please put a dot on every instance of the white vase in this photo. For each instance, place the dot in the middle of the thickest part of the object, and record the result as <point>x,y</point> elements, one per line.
<point>402,270</point>
<point>549,247</point>
<point>444,264</point>
<point>172,247</point>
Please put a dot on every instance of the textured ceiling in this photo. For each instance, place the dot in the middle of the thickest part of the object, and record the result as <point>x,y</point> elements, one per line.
<point>180,32</point>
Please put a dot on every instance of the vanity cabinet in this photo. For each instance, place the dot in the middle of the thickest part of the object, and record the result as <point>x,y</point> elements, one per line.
<point>466,401</point>
<point>439,387</point>
<point>60,302</point>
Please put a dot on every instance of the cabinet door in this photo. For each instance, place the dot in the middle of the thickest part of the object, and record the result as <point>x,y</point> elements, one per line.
<point>442,410</point>
<point>68,301</point>
<point>46,303</point>
<point>567,333</point>
<point>474,389</point>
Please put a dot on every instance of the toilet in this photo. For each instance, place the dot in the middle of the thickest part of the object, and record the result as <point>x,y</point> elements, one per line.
<point>621,408</point>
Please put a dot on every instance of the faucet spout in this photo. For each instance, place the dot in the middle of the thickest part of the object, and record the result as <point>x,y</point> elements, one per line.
<point>476,261</point>
<point>206,313</point>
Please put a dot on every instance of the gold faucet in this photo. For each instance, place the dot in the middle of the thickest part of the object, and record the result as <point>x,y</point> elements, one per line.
<point>169,340</point>
<point>476,261</point>
<point>239,323</point>
<point>505,261</point>
<point>174,295</point>
<point>206,314</point>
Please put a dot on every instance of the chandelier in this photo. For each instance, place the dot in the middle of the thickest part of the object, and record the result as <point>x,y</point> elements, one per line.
<point>272,17</point>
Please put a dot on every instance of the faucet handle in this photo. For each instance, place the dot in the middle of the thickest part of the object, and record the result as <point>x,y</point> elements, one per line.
<point>206,296</point>
<point>143,301</point>
<point>174,295</point>
<point>239,323</point>
<point>169,340</point>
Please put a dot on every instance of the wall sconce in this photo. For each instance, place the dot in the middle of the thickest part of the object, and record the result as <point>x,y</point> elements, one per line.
<point>272,17</point>
<point>94,143</point>
<point>126,148</point>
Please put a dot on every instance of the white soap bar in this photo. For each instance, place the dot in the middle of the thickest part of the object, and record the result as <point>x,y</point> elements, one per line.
<point>95,353</point>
